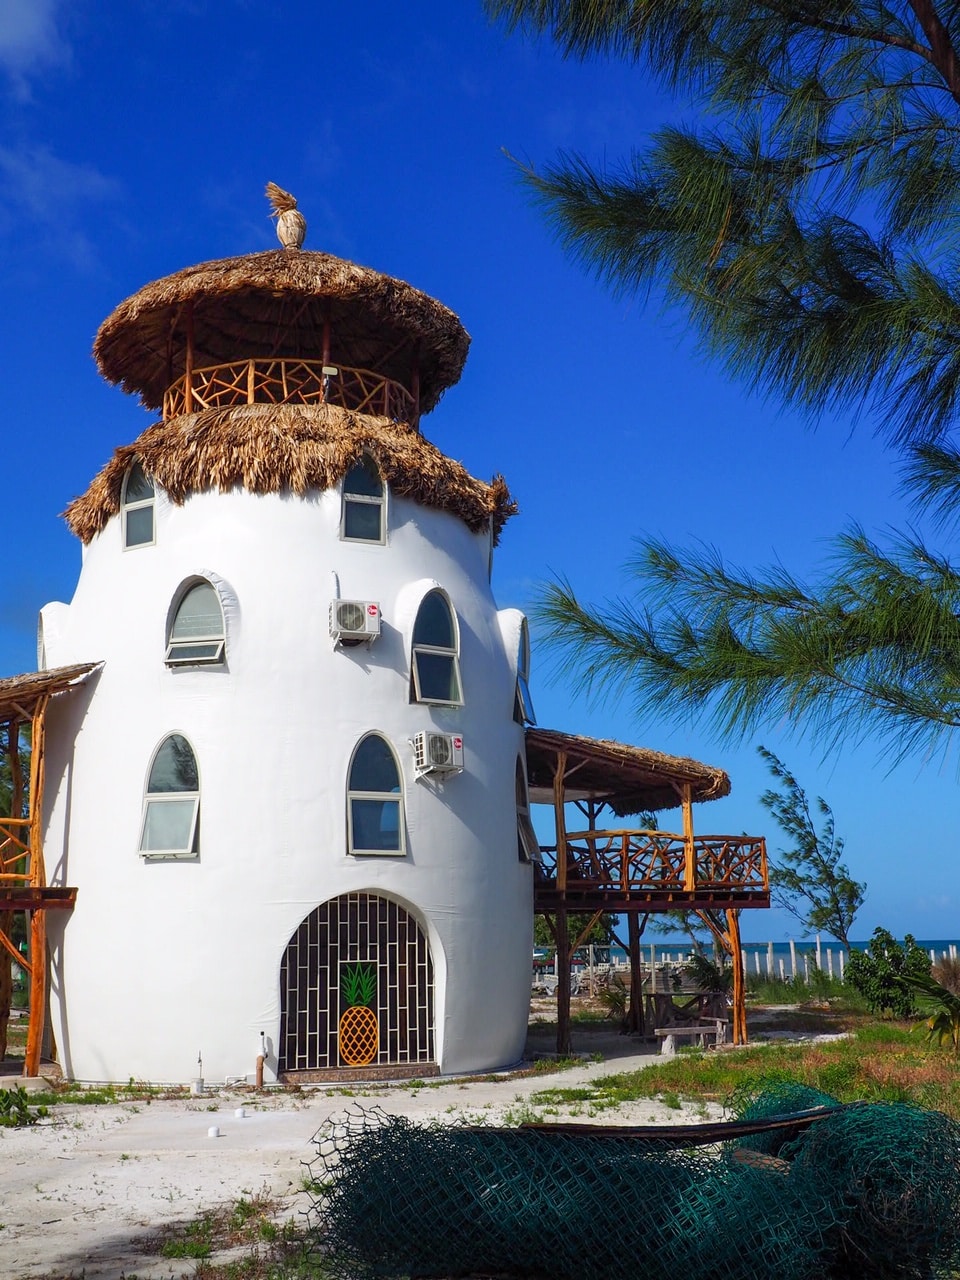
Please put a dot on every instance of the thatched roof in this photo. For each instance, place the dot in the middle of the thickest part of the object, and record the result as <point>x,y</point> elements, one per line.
<point>275,304</point>
<point>269,448</point>
<point>629,779</point>
<point>19,695</point>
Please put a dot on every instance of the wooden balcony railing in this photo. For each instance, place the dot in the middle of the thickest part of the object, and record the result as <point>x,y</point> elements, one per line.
<point>276,381</point>
<point>625,863</point>
<point>15,860</point>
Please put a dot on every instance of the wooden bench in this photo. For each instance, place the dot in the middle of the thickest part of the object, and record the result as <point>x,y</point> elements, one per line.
<point>705,1033</point>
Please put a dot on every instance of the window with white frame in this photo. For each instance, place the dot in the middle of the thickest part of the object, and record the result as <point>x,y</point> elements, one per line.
<point>528,846</point>
<point>136,506</point>
<point>374,799</point>
<point>523,711</point>
<point>171,806</point>
<point>196,634</point>
<point>435,661</point>
<point>364,503</point>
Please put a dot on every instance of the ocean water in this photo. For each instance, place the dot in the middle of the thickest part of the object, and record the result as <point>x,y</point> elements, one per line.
<point>757,954</point>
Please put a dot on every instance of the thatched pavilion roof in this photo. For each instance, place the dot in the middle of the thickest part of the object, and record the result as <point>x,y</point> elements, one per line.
<point>275,448</point>
<point>628,779</point>
<point>275,304</point>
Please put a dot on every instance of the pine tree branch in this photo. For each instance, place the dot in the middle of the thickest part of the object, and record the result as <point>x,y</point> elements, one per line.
<point>942,53</point>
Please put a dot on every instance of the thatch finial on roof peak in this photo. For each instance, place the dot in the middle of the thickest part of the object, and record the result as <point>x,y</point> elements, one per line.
<point>291,224</point>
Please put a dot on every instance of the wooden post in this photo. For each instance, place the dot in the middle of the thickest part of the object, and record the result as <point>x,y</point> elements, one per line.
<point>689,851</point>
<point>38,873</point>
<point>251,380</point>
<point>188,364</point>
<point>635,1010</point>
<point>11,750</point>
<point>739,1010</point>
<point>415,384</point>
<point>38,992</point>
<point>560,821</point>
<point>38,879</point>
<point>325,363</point>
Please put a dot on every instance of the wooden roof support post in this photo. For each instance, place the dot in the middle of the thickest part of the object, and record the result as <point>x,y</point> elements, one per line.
<point>559,819</point>
<point>11,749</point>
<point>689,848</point>
<point>38,871</point>
<point>188,363</point>
<point>324,361</point>
<point>38,880</point>
<point>415,384</point>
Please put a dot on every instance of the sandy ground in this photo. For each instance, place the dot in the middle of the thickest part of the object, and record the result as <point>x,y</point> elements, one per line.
<point>83,1193</point>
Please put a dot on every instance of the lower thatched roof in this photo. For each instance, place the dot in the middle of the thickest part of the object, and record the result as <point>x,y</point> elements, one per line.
<point>19,695</point>
<point>276,448</point>
<point>628,779</point>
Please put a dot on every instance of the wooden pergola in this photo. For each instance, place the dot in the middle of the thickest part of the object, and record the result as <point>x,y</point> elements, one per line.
<point>637,872</point>
<point>24,891</point>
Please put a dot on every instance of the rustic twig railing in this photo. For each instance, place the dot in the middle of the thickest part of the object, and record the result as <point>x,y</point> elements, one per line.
<point>15,852</point>
<point>288,381</point>
<point>658,863</point>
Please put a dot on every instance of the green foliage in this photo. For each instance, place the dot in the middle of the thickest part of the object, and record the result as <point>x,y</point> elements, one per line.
<point>358,984</point>
<point>943,1024</point>
<point>15,1109</point>
<point>875,648</point>
<point>811,882</point>
<point>806,224</point>
<point>805,221</point>
<point>886,973</point>
<point>600,934</point>
<point>614,998</point>
<point>709,975</point>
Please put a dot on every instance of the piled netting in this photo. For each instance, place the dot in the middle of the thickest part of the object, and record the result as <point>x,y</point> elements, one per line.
<point>868,1190</point>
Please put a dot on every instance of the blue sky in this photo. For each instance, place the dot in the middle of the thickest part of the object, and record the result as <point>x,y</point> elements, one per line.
<point>137,139</point>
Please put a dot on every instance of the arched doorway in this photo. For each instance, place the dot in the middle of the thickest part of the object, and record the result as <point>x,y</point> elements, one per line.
<point>356,989</point>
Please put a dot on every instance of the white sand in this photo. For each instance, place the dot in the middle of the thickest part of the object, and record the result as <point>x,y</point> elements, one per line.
<point>84,1192</point>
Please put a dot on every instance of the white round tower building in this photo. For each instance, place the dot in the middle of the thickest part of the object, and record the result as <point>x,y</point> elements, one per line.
<point>293,797</point>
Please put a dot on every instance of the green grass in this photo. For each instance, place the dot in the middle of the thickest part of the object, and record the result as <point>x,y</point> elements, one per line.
<point>880,1062</point>
<point>271,1250</point>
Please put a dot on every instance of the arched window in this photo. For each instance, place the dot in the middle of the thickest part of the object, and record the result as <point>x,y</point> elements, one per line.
<point>362,518</point>
<point>374,799</point>
<point>172,804</point>
<point>528,846</point>
<point>136,506</point>
<point>196,633</point>
<point>435,664</point>
<point>523,711</point>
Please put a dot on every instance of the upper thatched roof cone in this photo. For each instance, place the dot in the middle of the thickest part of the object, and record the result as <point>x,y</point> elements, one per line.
<point>277,305</point>
<point>247,356</point>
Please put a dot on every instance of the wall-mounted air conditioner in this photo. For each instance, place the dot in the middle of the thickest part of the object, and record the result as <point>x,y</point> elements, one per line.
<point>354,621</point>
<point>438,752</point>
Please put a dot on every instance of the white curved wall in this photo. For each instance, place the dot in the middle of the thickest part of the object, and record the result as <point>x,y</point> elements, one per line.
<point>162,961</point>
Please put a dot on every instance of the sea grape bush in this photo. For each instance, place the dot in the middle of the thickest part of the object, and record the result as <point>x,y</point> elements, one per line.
<point>15,1110</point>
<point>882,973</point>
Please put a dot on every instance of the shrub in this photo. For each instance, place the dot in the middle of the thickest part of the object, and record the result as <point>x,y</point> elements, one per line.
<point>881,974</point>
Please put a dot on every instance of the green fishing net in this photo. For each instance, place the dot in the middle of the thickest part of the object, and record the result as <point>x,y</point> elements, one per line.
<point>863,1190</point>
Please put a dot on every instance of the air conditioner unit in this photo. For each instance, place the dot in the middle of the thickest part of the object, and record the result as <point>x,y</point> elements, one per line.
<point>438,752</point>
<point>354,621</point>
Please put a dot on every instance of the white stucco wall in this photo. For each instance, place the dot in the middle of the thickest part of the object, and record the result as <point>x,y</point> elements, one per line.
<point>162,961</point>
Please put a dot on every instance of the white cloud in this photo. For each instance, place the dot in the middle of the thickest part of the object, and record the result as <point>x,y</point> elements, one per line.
<point>29,39</point>
<point>51,196</point>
